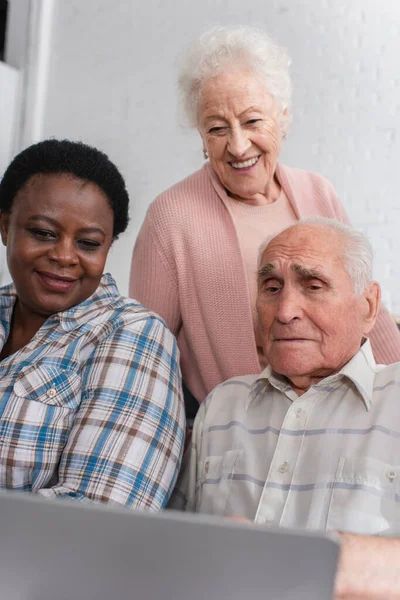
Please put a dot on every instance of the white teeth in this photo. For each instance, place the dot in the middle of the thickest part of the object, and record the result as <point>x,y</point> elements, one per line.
<point>244,164</point>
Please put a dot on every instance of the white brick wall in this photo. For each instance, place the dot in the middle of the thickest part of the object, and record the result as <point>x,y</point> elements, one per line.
<point>347,107</point>
<point>112,83</point>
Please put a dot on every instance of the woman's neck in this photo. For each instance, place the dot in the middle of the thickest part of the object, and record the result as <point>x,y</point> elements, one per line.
<point>23,327</point>
<point>270,195</point>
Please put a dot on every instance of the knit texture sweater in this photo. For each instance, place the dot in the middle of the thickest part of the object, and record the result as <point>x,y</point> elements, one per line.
<point>188,267</point>
<point>253,225</point>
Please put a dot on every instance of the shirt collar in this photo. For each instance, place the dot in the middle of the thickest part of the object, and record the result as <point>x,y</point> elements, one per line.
<point>71,318</point>
<point>8,297</point>
<point>86,311</point>
<point>360,370</point>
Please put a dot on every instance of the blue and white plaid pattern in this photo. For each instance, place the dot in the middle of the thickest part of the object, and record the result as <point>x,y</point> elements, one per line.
<point>92,407</point>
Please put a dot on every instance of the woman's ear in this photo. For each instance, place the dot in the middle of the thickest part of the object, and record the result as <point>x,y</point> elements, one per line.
<point>201,135</point>
<point>284,118</point>
<point>4,222</point>
<point>372,296</point>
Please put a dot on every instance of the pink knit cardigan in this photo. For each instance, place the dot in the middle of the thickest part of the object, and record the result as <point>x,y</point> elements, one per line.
<point>188,267</point>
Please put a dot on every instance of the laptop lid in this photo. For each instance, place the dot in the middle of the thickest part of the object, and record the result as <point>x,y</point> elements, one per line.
<point>62,550</point>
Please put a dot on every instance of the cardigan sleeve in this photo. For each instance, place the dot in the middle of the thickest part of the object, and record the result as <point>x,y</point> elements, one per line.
<point>384,336</point>
<point>153,280</point>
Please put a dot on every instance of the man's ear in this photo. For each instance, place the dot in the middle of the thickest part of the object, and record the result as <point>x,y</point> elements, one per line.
<point>4,223</point>
<point>372,297</point>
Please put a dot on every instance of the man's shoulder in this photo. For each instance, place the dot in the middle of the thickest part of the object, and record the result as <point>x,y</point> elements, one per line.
<point>230,396</point>
<point>386,376</point>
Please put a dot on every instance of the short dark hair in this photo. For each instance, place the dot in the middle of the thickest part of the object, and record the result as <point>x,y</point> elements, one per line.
<point>72,158</point>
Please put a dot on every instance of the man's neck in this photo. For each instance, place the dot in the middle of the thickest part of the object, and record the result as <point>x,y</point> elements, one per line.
<point>302,384</point>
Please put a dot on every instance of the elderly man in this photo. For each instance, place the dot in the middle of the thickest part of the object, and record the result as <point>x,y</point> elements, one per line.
<point>314,441</point>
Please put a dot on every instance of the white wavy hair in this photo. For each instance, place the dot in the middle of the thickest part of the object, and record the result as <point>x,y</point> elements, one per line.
<point>357,255</point>
<point>223,46</point>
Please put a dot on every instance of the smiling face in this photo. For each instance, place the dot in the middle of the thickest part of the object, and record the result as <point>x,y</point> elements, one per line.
<point>238,122</point>
<point>312,320</point>
<point>58,234</point>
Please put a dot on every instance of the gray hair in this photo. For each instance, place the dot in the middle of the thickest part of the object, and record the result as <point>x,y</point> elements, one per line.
<point>221,46</point>
<point>357,256</point>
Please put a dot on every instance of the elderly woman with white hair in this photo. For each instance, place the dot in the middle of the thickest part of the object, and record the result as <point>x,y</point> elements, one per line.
<point>195,258</point>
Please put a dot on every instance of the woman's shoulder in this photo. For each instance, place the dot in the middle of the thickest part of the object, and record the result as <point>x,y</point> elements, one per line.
<point>185,194</point>
<point>311,193</point>
<point>301,177</point>
<point>123,317</point>
<point>106,310</point>
<point>123,311</point>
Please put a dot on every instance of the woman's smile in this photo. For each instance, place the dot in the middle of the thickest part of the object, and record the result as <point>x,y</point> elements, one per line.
<point>56,283</point>
<point>245,165</point>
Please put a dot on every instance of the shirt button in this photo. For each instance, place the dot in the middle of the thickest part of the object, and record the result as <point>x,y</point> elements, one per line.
<point>207,467</point>
<point>391,475</point>
<point>20,375</point>
<point>51,392</point>
<point>299,412</point>
<point>283,467</point>
<point>264,519</point>
<point>267,515</point>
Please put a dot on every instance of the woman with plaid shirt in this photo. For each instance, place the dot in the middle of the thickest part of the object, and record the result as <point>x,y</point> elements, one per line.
<point>90,388</point>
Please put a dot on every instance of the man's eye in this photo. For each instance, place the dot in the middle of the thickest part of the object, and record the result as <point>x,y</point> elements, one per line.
<point>271,288</point>
<point>252,121</point>
<point>314,287</point>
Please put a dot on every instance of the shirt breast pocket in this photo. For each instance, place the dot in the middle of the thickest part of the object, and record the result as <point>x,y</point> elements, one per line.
<point>35,425</point>
<point>217,473</point>
<point>49,385</point>
<point>365,497</point>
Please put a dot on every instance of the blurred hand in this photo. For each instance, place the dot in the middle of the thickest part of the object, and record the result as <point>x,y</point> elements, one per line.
<point>369,568</point>
<point>240,519</point>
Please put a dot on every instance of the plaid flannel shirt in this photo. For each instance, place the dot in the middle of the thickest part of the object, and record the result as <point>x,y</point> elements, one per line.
<point>91,408</point>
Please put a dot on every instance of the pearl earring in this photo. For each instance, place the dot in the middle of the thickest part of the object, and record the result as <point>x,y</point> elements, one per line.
<point>205,154</point>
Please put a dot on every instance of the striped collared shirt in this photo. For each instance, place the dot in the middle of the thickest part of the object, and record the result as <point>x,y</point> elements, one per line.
<point>328,459</point>
<point>91,408</point>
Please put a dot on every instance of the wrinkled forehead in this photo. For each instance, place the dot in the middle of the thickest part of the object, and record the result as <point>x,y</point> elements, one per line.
<point>308,247</point>
<point>238,86</point>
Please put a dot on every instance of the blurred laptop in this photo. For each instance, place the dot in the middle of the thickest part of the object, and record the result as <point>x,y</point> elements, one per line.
<point>61,550</point>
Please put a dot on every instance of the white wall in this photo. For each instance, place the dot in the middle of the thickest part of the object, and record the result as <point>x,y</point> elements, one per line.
<point>111,82</point>
<point>9,86</point>
<point>9,96</point>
